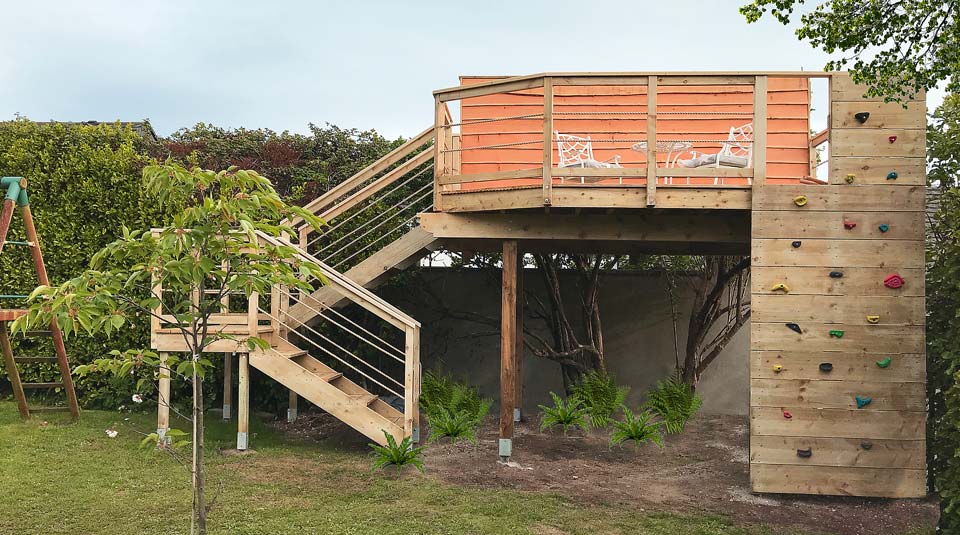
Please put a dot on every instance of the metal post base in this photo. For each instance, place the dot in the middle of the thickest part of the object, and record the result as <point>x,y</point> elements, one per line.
<point>242,441</point>
<point>415,435</point>
<point>226,412</point>
<point>516,415</point>
<point>506,449</point>
<point>162,438</point>
<point>291,415</point>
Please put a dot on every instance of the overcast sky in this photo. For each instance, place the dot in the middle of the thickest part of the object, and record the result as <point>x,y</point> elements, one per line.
<point>364,64</point>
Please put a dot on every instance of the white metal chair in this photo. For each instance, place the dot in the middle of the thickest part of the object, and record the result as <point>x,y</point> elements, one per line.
<point>576,151</point>
<point>736,151</point>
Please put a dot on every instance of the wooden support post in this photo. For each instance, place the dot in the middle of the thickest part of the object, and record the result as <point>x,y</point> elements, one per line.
<point>227,385</point>
<point>12,372</point>
<point>411,384</point>
<point>759,132</point>
<point>243,402</point>
<point>518,352</point>
<point>62,363</point>
<point>163,400</point>
<point>547,141</point>
<point>439,146</point>
<point>292,400</point>
<point>508,347</point>
<point>651,141</point>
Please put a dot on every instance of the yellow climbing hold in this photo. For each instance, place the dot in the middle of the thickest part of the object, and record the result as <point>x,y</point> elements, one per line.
<point>800,200</point>
<point>781,287</point>
<point>850,178</point>
<point>777,368</point>
<point>873,319</point>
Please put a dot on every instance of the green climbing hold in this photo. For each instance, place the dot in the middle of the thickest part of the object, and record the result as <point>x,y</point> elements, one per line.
<point>834,333</point>
<point>862,401</point>
<point>884,227</point>
<point>892,175</point>
<point>884,363</point>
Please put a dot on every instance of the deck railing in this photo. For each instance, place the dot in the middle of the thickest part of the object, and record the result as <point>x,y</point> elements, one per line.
<point>650,124</point>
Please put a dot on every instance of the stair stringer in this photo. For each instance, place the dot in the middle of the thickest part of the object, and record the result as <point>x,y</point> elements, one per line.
<point>369,273</point>
<point>356,413</point>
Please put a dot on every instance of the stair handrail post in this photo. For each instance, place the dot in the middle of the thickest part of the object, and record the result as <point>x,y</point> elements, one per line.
<point>411,383</point>
<point>253,313</point>
<point>441,124</point>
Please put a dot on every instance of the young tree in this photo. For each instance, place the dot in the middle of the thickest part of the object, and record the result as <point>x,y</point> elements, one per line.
<point>897,47</point>
<point>211,249</point>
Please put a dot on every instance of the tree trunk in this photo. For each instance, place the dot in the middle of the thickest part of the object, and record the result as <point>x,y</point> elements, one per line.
<point>199,503</point>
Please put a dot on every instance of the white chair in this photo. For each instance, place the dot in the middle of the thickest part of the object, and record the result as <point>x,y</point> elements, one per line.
<point>736,151</point>
<point>576,151</point>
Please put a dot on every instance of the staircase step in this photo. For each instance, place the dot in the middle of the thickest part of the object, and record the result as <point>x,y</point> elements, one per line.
<point>366,399</point>
<point>229,329</point>
<point>34,360</point>
<point>293,354</point>
<point>331,377</point>
<point>38,386</point>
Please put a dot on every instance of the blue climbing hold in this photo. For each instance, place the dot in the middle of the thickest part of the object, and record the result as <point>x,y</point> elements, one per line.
<point>863,401</point>
<point>796,244</point>
<point>836,274</point>
<point>884,227</point>
<point>892,175</point>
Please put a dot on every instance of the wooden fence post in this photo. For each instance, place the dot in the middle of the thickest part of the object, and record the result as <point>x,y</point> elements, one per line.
<point>547,141</point>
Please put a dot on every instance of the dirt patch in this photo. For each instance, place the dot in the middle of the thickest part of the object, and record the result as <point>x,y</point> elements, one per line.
<point>703,470</point>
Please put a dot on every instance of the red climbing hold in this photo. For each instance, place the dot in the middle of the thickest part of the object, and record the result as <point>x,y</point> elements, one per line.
<point>849,225</point>
<point>787,415</point>
<point>892,139</point>
<point>893,281</point>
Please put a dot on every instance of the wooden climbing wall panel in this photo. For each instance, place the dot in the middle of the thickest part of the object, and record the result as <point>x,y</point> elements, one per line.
<point>812,430</point>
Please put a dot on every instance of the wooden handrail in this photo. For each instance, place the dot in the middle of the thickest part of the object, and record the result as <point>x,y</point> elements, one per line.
<point>330,198</point>
<point>348,288</point>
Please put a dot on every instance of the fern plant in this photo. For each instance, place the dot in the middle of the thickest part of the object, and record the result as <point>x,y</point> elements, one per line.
<point>441,394</point>
<point>395,454</point>
<point>601,397</point>
<point>638,428</point>
<point>455,425</point>
<point>566,414</point>
<point>675,402</point>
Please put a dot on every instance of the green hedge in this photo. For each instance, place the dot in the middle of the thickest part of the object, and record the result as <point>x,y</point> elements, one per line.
<point>84,184</point>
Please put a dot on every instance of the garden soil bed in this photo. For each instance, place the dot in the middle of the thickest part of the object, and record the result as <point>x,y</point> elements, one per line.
<point>703,470</point>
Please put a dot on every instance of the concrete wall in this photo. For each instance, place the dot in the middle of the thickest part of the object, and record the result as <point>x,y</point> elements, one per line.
<point>635,310</point>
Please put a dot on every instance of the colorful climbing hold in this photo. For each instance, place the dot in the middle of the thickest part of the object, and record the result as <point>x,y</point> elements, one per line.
<point>795,328</point>
<point>892,175</point>
<point>862,401</point>
<point>892,139</point>
<point>780,287</point>
<point>834,333</point>
<point>800,200</point>
<point>884,227</point>
<point>849,225</point>
<point>836,274</point>
<point>884,363</point>
<point>777,368</point>
<point>804,453</point>
<point>787,415</point>
<point>873,319</point>
<point>862,116</point>
<point>850,178</point>
<point>796,244</point>
<point>866,444</point>
<point>826,367</point>
<point>893,281</point>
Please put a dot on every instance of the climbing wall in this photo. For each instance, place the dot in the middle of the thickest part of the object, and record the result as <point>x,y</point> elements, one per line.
<point>838,400</point>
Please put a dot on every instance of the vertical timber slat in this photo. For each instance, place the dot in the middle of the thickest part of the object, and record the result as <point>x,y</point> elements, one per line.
<point>760,131</point>
<point>651,141</point>
<point>547,141</point>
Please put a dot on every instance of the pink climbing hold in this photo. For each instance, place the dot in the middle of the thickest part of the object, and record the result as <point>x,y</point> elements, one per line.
<point>787,415</point>
<point>849,225</point>
<point>893,281</point>
<point>892,139</point>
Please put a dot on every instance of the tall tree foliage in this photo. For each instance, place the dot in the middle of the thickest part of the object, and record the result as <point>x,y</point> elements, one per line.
<point>213,248</point>
<point>897,47</point>
<point>943,313</point>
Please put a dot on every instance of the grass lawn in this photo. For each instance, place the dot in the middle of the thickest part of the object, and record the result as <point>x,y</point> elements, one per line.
<point>72,478</point>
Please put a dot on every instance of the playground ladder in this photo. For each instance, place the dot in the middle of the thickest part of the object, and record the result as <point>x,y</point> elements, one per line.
<point>16,189</point>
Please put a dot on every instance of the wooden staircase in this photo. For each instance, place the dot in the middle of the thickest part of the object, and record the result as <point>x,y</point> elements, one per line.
<point>330,390</point>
